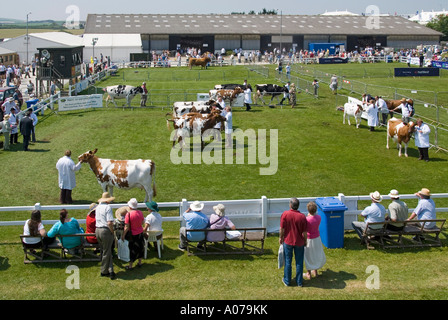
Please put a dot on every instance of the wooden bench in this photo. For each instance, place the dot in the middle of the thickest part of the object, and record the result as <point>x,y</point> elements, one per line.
<point>56,252</point>
<point>251,241</point>
<point>414,234</point>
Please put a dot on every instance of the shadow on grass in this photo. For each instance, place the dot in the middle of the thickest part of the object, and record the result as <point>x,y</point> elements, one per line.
<point>330,279</point>
<point>4,263</point>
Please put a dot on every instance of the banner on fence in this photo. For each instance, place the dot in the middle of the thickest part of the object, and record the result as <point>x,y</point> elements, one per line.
<point>417,72</point>
<point>332,60</point>
<point>440,64</point>
<point>81,102</point>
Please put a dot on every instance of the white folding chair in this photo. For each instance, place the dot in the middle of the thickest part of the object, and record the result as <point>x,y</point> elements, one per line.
<point>157,237</point>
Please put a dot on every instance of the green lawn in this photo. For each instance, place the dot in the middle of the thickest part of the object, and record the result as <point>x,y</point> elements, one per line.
<point>318,156</point>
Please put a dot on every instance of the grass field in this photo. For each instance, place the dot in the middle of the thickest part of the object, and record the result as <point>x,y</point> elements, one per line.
<point>318,156</point>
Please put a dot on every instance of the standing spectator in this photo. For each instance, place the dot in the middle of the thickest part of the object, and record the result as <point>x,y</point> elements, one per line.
<point>27,71</point>
<point>33,117</point>
<point>26,128</point>
<point>105,233</point>
<point>422,132</point>
<point>316,87</point>
<point>194,219</point>
<point>292,95</point>
<point>144,95</point>
<point>373,213</point>
<point>334,84</point>
<point>14,126</point>
<point>133,224</point>
<point>314,250</point>
<point>372,115</point>
<point>33,67</point>
<point>8,105</point>
<point>91,223</point>
<point>288,71</point>
<point>382,108</point>
<point>52,88</point>
<point>6,130</point>
<point>228,125</point>
<point>248,97</point>
<point>426,209</point>
<point>293,237</point>
<point>398,211</point>
<point>30,87</point>
<point>218,220</point>
<point>66,177</point>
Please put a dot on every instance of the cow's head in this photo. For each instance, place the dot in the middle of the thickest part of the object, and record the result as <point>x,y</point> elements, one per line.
<point>85,157</point>
<point>139,89</point>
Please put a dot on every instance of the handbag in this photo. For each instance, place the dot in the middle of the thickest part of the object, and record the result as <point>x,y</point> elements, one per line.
<point>123,250</point>
<point>233,234</point>
<point>128,235</point>
<point>281,257</point>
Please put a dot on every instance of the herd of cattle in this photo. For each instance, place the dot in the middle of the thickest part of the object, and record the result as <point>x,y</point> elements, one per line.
<point>397,130</point>
<point>195,117</point>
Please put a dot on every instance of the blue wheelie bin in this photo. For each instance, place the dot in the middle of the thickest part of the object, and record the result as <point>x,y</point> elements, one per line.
<point>331,227</point>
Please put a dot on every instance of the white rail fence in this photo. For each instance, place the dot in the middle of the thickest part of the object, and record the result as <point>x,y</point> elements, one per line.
<point>248,213</point>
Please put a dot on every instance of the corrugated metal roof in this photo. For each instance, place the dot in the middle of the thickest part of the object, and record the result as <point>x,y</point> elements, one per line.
<point>253,24</point>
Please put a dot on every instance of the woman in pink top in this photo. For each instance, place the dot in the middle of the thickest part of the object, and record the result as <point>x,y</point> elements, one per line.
<point>133,222</point>
<point>218,220</point>
<point>314,251</point>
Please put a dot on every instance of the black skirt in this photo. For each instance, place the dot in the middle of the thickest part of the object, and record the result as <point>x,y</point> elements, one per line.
<point>136,246</point>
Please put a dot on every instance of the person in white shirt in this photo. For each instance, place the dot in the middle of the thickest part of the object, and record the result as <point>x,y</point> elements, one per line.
<point>33,133</point>
<point>372,115</point>
<point>153,221</point>
<point>405,111</point>
<point>248,97</point>
<point>228,127</point>
<point>13,121</point>
<point>382,108</point>
<point>104,232</point>
<point>421,136</point>
<point>66,177</point>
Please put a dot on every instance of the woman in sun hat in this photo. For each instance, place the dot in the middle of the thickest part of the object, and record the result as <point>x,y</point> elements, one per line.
<point>373,213</point>
<point>153,221</point>
<point>218,220</point>
<point>120,213</point>
<point>133,225</point>
<point>91,223</point>
<point>426,208</point>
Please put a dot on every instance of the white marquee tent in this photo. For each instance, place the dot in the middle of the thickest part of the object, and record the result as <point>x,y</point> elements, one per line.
<point>117,46</point>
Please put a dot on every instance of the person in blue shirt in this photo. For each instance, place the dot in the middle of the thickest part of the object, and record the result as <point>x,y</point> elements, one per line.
<point>373,213</point>
<point>194,219</point>
<point>65,226</point>
<point>426,209</point>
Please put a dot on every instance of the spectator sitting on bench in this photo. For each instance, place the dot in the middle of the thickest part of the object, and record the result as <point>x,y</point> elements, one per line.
<point>426,209</point>
<point>34,227</point>
<point>398,211</point>
<point>373,213</point>
<point>91,223</point>
<point>218,220</point>
<point>66,226</point>
<point>195,219</point>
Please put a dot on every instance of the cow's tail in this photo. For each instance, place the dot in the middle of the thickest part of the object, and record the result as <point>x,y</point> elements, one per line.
<point>154,190</point>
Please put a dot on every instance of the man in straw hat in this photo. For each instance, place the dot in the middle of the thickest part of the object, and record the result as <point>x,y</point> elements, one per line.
<point>398,211</point>
<point>426,208</point>
<point>194,219</point>
<point>105,233</point>
<point>67,181</point>
<point>373,213</point>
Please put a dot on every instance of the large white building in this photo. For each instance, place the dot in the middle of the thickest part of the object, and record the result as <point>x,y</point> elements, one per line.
<point>424,17</point>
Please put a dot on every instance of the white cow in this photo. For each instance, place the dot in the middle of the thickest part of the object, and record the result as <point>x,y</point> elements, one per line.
<point>353,110</point>
<point>124,174</point>
<point>122,92</point>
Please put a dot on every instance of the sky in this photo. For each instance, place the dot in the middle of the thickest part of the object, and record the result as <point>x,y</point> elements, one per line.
<point>63,9</point>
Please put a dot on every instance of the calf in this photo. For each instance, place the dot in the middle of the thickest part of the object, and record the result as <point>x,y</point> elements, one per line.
<point>124,174</point>
<point>268,89</point>
<point>400,133</point>
<point>352,110</point>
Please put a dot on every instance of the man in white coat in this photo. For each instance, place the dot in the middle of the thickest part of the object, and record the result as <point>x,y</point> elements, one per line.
<point>372,115</point>
<point>67,182</point>
<point>421,136</point>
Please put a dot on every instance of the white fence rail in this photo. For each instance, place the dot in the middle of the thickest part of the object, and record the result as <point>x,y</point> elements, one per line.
<point>263,212</point>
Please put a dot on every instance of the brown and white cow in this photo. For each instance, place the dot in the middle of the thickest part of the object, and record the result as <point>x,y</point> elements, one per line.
<point>352,110</point>
<point>400,133</point>
<point>193,123</point>
<point>183,107</point>
<point>123,174</point>
<point>226,94</point>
